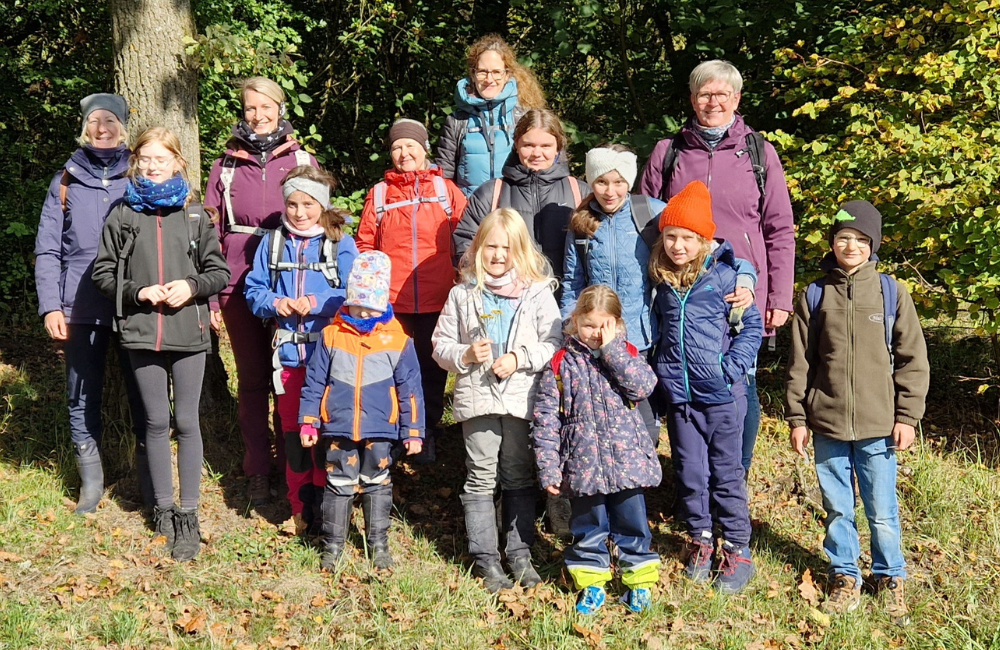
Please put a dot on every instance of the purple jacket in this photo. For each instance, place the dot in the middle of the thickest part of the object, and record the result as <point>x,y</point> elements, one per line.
<point>67,242</point>
<point>257,202</point>
<point>767,240</point>
<point>590,439</point>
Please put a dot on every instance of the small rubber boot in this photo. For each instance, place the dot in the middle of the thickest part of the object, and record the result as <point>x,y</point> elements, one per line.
<point>316,525</point>
<point>187,533</point>
<point>88,462</point>
<point>481,527</point>
<point>376,507</point>
<point>519,528</point>
<point>163,524</point>
<point>336,519</point>
<point>144,478</point>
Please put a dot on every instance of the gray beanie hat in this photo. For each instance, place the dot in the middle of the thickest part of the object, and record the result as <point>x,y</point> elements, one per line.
<point>863,217</point>
<point>112,103</point>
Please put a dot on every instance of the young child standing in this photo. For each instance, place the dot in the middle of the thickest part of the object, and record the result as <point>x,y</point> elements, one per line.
<point>362,394</point>
<point>497,331</point>
<point>160,262</point>
<point>298,279</point>
<point>857,376</point>
<point>592,446</point>
<point>702,363</point>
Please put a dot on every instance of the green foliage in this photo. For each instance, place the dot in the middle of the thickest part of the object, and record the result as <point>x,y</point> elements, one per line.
<point>904,105</point>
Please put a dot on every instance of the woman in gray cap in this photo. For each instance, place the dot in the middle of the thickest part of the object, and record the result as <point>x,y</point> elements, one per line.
<point>76,314</point>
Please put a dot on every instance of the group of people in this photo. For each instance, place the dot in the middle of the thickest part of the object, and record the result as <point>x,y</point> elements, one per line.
<point>575,315</point>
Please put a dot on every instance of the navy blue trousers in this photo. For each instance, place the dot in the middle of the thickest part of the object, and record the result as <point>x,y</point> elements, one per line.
<point>353,467</point>
<point>706,443</point>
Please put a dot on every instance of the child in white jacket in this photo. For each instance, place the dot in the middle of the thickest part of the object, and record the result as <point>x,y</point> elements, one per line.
<point>497,331</point>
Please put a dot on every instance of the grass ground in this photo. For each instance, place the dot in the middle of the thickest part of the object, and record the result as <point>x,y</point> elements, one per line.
<point>103,582</point>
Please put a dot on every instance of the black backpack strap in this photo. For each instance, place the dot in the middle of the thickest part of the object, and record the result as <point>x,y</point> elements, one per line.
<point>195,213</point>
<point>582,246</point>
<point>755,147</point>
<point>127,236</point>
<point>669,164</point>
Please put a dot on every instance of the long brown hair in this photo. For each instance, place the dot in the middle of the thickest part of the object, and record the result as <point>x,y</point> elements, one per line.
<point>332,219</point>
<point>546,120</point>
<point>529,91</point>
<point>584,222</point>
<point>662,269</point>
<point>597,297</point>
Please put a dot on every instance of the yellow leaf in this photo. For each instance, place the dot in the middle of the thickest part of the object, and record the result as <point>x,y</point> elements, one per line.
<point>822,619</point>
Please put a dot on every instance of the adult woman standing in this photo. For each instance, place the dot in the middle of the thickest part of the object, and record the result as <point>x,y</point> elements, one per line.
<point>244,186</point>
<point>69,232</point>
<point>478,135</point>
<point>535,182</point>
<point>750,202</point>
<point>411,216</point>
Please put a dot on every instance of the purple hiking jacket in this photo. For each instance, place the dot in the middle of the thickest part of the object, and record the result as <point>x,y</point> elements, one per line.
<point>66,244</point>
<point>768,240</point>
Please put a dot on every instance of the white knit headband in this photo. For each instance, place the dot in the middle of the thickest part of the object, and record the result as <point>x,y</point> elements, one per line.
<point>600,161</point>
<point>315,189</point>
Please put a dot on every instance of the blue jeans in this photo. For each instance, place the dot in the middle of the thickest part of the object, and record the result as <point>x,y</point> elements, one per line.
<point>751,422</point>
<point>874,464</point>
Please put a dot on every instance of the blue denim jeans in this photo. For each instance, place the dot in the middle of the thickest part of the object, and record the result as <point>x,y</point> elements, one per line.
<point>874,464</point>
<point>751,421</point>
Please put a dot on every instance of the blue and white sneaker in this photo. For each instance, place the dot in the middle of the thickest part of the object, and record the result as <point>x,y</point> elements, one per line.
<point>638,599</point>
<point>735,569</point>
<point>591,599</point>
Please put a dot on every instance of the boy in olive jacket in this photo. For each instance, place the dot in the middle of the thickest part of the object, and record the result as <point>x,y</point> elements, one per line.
<point>862,401</point>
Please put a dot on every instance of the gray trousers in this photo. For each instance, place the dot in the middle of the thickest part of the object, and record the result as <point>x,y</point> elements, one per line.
<point>498,446</point>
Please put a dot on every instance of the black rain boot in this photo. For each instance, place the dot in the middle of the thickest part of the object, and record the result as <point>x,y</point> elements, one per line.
<point>143,476</point>
<point>377,507</point>
<point>519,529</point>
<point>481,527</point>
<point>88,462</point>
<point>187,542</point>
<point>163,524</point>
<point>316,525</point>
<point>336,519</point>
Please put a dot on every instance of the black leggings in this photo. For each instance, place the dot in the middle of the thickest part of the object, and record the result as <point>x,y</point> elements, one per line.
<point>153,371</point>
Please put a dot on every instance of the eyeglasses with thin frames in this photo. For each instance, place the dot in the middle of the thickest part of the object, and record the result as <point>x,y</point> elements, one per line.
<point>719,98</point>
<point>483,75</point>
<point>844,240</point>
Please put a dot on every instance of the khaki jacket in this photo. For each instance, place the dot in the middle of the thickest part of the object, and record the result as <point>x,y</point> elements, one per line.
<point>840,380</point>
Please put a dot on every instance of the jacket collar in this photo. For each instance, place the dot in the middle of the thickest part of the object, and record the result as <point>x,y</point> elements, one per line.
<point>474,103</point>
<point>518,174</point>
<point>88,169</point>
<point>833,271</point>
<point>393,177</point>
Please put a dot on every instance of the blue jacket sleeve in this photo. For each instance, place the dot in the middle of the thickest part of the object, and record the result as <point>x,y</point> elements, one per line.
<point>574,277</point>
<point>326,303</point>
<point>545,433</point>
<point>311,396</point>
<point>48,250</point>
<point>410,393</point>
<point>260,298</point>
<point>742,353</point>
<point>746,269</point>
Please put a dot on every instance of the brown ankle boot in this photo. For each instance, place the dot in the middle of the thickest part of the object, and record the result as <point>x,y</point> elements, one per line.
<point>845,595</point>
<point>891,589</point>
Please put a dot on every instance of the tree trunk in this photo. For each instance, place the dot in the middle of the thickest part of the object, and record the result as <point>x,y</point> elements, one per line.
<point>154,74</point>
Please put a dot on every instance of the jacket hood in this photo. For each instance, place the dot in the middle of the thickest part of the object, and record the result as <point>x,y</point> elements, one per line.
<point>724,253</point>
<point>475,103</point>
<point>735,136</point>
<point>394,177</point>
<point>84,164</point>
<point>515,172</point>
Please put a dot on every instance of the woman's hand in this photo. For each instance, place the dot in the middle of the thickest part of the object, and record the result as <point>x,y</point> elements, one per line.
<point>504,366</point>
<point>178,293</point>
<point>154,294</point>
<point>286,307</point>
<point>741,298</point>
<point>55,325</point>
<point>609,329</point>
<point>478,352</point>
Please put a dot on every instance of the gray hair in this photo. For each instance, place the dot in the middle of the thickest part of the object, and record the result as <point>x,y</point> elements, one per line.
<point>717,70</point>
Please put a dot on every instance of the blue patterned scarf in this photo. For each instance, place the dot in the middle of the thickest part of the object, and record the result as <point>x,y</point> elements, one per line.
<point>143,195</point>
<point>366,325</point>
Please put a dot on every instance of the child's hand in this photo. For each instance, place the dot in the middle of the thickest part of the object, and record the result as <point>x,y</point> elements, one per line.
<point>741,298</point>
<point>154,294</point>
<point>215,320</point>
<point>308,435</point>
<point>303,306</point>
<point>553,490</point>
<point>286,307</point>
<point>504,366</point>
<point>608,331</point>
<point>903,435</point>
<point>178,293</point>
<point>413,446</point>
<point>799,437</point>
<point>478,352</point>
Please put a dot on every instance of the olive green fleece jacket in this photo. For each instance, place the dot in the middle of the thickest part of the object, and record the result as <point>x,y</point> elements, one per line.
<point>840,381</point>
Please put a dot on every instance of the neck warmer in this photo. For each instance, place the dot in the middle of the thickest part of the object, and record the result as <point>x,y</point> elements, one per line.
<point>106,157</point>
<point>712,135</point>
<point>507,285</point>
<point>315,231</point>
<point>143,195</point>
<point>262,144</point>
<point>366,325</point>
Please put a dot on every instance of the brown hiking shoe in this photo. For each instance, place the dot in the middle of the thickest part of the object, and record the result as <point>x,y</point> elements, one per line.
<point>258,490</point>
<point>891,589</point>
<point>845,596</point>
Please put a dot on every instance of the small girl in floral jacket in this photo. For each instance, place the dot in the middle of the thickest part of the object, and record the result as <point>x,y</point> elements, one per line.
<point>592,446</point>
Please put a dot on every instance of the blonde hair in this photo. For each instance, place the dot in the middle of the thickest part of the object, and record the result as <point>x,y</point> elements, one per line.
<point>529,91</point>
<point>84,138</point>
<point>662,269</point>
<point>264,86</point>
<point>526,259</point>
<point>597,297</point>
<point>546,120</point>
<point>584,222</point>
<point>332,219</point>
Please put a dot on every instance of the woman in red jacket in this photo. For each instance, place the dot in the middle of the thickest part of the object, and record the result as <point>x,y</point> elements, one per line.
<point>410,216</point>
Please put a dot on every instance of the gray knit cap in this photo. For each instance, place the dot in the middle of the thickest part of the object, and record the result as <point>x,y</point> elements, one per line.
<point>113,103</point>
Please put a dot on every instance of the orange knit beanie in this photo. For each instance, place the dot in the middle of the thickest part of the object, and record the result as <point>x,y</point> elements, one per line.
<point>691,208</point>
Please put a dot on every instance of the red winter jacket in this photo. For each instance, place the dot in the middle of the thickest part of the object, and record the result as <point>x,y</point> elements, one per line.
<point>416,237</point>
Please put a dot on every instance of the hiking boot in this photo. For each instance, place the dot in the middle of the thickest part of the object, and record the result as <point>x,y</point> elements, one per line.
<point>523,571</point>
<point>591,599</point>
<point>258,490</point>
<point>735,569</point>
<point>163,524</point>
<point>376,507</point>
<point>845,595</point>
<point>638,599</point>
<point>187,533</point>
<point>891,588</point>
<point>699,562</point>
<point>88,462</point>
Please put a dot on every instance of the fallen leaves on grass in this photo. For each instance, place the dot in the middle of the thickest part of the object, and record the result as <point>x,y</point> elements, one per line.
<point>9,557</point>
<point>808,589</point>
<point>764,645</point>
<point>822,619</point>
<point>319,600</point>
<point>591,636</point>
<point>192,621</point>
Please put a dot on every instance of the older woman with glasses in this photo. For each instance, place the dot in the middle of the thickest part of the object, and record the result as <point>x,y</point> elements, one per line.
<point>750,202</point>
<point>478,135</point>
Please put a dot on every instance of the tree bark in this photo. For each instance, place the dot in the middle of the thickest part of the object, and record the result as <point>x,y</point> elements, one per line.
<point>154,74</point>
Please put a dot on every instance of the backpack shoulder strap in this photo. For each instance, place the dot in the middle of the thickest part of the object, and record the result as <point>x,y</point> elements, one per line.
<point>889,297</point>
<point>646,223</point>
<point>302,158</point>
<point>379,197</point>
<point>556,363</point>
<point>669,164</point>
<point>441,189</point>
<point>814,294</point>
<point>195,212</point>
<point>497,186</point>
<point>63,189</point>
<point>328,256</point>
<point>128,233</point>
<point>574,189</point>
<point>226,174</point>
<point>275,253</point>
<point>755,147</point>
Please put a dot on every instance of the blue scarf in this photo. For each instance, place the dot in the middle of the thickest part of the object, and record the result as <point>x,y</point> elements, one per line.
<point>143,195</point>
<point>366,325</point>
<point>712,135</point>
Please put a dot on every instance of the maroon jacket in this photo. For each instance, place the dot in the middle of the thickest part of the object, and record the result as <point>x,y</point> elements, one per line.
<point>767,240</point>
<point>257,202</point>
